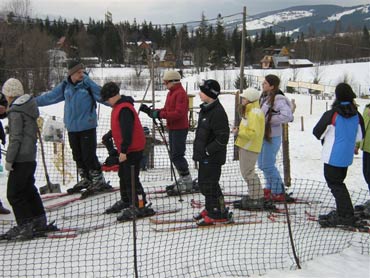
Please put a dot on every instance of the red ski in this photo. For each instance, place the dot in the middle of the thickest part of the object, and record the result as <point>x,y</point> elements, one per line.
<point>112,168</point>
<point>195,226</point>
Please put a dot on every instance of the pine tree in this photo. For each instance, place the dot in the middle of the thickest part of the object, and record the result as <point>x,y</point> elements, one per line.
<point>236,44</point>
<point>237,83</point>
<point>219,52</point>
<point>365,39</point>
<point>201,52</point>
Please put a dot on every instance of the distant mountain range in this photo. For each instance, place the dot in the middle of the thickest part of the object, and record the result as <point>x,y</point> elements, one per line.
<point>320,18</point>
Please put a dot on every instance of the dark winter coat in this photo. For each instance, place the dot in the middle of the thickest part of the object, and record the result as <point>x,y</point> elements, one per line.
<point>339,129</point>
<point>212,134</point>
<point>79,100</point>
<point>176,108</point>
<point>22,118</point>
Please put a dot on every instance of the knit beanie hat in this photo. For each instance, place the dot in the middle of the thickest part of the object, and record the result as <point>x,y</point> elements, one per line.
<point>343,92</point>
<point>13,88</point>
<point>74,66</point>
<point>211,88</point>
<point>171,75</point>
<point>251,94</point>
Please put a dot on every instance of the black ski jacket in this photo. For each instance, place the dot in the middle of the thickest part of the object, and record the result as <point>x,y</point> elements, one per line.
<point>212,134</point>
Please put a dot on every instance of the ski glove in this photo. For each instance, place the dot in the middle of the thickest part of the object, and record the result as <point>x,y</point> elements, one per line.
<point>9,166</point>
<point>145,109</point>
<point>152,113</point>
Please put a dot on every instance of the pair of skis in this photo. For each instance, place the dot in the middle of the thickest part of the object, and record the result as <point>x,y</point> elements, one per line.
<point>192,224</point>
<point>362,227</point>
<point>63,203</point>
<point>73,232</point>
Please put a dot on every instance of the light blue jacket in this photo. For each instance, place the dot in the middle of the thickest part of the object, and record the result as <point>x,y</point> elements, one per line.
<point>79,107</point>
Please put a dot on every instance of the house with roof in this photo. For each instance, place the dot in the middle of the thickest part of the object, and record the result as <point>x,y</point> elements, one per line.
<point>279,58</point>
<point>165,58</point>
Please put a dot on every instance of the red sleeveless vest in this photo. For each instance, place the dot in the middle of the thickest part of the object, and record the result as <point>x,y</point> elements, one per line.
<point>138,137</point>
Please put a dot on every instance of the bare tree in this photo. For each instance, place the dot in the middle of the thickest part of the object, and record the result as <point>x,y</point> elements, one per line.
<point>20,8</point>
<point>317,73</point>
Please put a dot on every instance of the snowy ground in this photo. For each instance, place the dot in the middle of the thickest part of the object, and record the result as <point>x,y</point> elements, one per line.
<point>304,155</point>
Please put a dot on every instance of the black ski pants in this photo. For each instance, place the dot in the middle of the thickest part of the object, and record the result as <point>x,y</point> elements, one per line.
<point>334,177</point>
<point>208,180</point>
<point>124,173</point>
<point>83,145</point>
<point>22,193</point>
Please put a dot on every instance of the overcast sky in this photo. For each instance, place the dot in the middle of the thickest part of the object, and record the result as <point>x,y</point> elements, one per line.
<point>166,11</point>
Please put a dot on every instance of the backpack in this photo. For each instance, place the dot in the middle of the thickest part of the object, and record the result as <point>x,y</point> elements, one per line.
<point>93,106</point>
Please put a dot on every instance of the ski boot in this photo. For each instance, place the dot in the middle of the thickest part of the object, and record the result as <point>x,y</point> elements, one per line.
<point>332,219</point>
<point>117,207</point>
<point>200,215</point>
<point>363,211</point>
<point>217,218</point>
<point>184,185</point>
<point>84,183</point>
<point>20,232</point>
<point>128,214</point>
<point>246,203</point>
<point>98,184</point>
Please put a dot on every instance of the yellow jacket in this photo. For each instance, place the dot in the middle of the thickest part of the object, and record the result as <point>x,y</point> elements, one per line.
<point>251,128</point>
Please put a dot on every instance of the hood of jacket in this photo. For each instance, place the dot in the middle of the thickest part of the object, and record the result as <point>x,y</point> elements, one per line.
<point>126,99</point>
<point>345,109</point>
<point>25,104</point>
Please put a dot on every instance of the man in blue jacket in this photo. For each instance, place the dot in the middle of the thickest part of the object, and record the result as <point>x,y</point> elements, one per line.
<point>80,94</point>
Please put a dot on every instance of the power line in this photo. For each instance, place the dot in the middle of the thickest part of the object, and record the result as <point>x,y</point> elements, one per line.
<point>28,20</point>
<point>197,21</point>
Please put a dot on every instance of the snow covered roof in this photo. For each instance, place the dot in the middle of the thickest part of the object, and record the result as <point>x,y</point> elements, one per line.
<point>300,62</point>
<point>161,53</point>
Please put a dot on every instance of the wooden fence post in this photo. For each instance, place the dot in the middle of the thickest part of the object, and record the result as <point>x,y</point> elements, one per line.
<point>286,157</point>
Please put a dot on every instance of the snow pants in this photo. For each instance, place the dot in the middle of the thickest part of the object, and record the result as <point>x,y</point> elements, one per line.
<point>22,193</point>
<point>83,145</point>
<point>334,177</point>
<point>208,180</point>
<point>124,173</point>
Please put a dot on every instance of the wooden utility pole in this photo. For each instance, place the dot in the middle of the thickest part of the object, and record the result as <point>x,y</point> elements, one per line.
<point>242,51</point>
<point>241,84</point>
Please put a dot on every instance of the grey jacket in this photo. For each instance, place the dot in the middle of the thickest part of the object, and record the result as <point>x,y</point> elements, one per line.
<point>22,117</point>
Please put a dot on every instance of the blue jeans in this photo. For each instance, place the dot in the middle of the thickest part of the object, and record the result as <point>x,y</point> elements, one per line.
<point>266,162</point>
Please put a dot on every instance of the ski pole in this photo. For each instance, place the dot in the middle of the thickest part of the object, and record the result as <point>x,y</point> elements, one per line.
<point>146,91</point>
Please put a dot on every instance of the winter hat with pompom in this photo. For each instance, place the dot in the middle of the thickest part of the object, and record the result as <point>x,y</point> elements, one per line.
<point>13,88</point>
<point>251,94</point>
